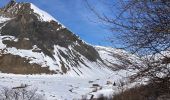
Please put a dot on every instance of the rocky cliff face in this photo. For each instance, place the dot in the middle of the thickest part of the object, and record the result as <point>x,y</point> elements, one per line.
<point>32,42</point>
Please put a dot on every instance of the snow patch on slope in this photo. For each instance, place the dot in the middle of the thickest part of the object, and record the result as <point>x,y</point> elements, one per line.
<point>112,56</point>
<point>3,19</point>
<point>44,15</point>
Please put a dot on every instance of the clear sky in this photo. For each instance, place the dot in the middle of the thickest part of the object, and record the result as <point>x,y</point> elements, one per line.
<point>75,15</point>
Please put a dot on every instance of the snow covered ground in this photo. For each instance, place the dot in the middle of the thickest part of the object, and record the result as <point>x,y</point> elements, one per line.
<point>65,87</point>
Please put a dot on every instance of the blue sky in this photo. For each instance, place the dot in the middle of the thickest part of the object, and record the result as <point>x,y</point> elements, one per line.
<point>75,15</point>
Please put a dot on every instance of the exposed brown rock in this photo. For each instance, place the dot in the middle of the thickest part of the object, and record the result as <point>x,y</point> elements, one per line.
<point>17,65</point>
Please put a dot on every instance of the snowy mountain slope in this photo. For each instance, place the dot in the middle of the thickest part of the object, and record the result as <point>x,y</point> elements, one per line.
<point>44,16</point>
<point>34,38</point>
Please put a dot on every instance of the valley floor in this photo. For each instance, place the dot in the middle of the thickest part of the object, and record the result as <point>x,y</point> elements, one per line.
<point>61,87</point>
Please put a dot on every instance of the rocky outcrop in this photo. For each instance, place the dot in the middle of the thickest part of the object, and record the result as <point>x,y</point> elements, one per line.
<point>17,65</point>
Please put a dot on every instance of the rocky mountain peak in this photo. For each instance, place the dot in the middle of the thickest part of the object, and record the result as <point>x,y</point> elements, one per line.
<point>12,9</point>
<point>18,9</point>
<point>10,4</point>
<point>37,43</point>
<point>32,27</point>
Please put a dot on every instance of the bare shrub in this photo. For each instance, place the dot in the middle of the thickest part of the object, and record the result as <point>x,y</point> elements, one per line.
<point>20,93</point>
<point>151,91</point>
